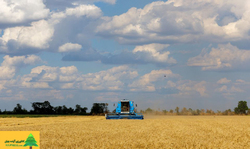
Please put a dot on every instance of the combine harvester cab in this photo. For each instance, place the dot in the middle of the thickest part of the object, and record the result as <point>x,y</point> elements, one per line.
<point>125,110</point>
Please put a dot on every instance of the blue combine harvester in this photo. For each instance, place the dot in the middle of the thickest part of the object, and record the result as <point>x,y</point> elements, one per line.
<point>125,110</point>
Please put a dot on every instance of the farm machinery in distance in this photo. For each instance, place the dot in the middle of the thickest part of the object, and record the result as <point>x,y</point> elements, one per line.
<point>125,110</point>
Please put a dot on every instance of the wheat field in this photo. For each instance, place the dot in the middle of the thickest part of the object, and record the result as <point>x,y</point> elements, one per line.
<point>81,132</point>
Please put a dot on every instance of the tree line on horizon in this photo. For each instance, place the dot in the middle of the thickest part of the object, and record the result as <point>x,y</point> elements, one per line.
<point>241,109</point>
<point>47,109</point>
<point>101,108</point>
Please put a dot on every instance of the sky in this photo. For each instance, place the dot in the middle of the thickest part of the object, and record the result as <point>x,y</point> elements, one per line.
<point>160,54</point>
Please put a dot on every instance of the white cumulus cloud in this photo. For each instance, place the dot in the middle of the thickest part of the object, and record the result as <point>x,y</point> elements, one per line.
<point>37,35</point>
<point>11,65</point>
<point>180,21</point>
<point>84,10</point>
<point>70,78</point>
<point>187,87</point>
<point>146,82</point>
<point>155,53</point>
<point>231,90</point>
<point>48,34</point>
<point>223,81</point>
<point>19,11</point>
<point>225,57</point>
<point>111,79</point>
<point>58,5</point>
<point>69,47</point>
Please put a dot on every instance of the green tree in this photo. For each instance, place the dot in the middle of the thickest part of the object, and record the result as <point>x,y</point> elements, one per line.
<point>227,112</point>
<point>99,108</point>
<point>64,110</point>
<point>198,112</point>
<point>165,112</point>
<point>190,111</point>
<point>70,110</point>
<point>80,110</point>
<point>236,110</point>
<point>18,110</point>
<point>242,108</point>
<point>148,110</point>
<point>30,141</point>
<point>218,112</point>
<point>42,108</point>
<point>177,110</point>
<point>202,112</point>
<point>184,111</point>
<point>58,110</point>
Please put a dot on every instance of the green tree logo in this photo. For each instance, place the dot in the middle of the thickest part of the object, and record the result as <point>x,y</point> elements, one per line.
<point>30,141</point>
